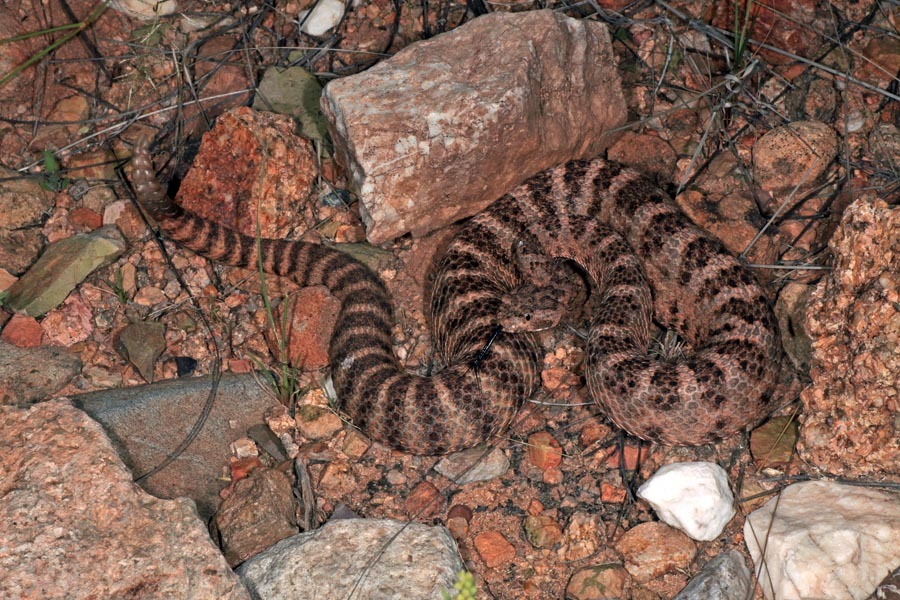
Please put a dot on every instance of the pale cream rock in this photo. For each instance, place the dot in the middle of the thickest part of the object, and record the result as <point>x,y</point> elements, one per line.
<point>825,541</point>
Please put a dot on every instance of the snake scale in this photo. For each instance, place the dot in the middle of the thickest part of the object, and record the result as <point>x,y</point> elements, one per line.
<point>645,257</point>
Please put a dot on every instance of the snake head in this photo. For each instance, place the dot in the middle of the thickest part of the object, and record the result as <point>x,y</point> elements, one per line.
<point>530,308</point>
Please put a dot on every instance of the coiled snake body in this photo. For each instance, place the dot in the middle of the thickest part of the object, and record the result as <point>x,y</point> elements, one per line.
<point>596,213</point>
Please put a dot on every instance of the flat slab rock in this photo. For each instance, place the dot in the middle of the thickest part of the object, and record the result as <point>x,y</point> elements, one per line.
<point>73,524</point>
<point>149,421</point>
<point>446,126</point>
<point>366,559</point>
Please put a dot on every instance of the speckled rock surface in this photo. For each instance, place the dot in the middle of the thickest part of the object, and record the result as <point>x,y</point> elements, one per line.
<point>367,559</point>
<point>73,524</point>
<point>849,422</point>
<point>251,168</point>
<point>443,128</point>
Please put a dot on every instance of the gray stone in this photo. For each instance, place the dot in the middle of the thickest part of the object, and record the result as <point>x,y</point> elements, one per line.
<point>447,125</point>
<point>147,422</point>
<point>30,375</point>
<point>293,91</point>
<point>141,344</point>
<point>23,206</point>
<point>725,577</point>
<point>61,267</point>
<point>474,464</point>
<point>74,526</point>
<point>366,559</point>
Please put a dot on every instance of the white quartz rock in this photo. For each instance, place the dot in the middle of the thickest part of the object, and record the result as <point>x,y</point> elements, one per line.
<point>325,15</point>
<point>826,541</point>
<point>692,496</point>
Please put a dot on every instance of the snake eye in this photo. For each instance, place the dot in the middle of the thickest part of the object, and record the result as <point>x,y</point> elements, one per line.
<point>527,316</point>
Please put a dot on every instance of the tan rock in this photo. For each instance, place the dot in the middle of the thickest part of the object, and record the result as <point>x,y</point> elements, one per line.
<point>792,155</point>
<point>849,420</point>
<point>654,549</point>
<point>74,525</point>
<point>544,451</point>
<point>447,125</point>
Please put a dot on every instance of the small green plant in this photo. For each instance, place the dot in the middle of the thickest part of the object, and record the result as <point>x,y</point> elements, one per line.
<point>51,180</point>
<point>118,286</point>
<point>463,589</point>
<point>743,26</point>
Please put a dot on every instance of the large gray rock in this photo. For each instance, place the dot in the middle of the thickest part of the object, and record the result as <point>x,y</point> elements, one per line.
<point>366,559</point>
<point>74,526</point>
<point>149,421</point>
<point>447,125</point>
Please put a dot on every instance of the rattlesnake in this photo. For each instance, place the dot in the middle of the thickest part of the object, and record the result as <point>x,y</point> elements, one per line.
<point>592,212</point>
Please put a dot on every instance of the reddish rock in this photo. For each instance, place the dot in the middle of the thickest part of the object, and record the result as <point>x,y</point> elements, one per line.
<point>544,451</point>
<point>437,132</point>
<point>649,154</point>
<point>796,154</point>
<point>22,331</point>
<point>458,519</point>
<point>849,420</point>
<point>883,54</point>
<point>611,494</point>
<point>220,71</point>
<point>312,314</point>
<point>633,457</point>
<point>108,538</point>
<point>424,501</point>
<point>653,549</point>
<point>494,549</point>
<point>70,323</point>
<point>591,432</point>
<point>239,365</point>
<point>126,218</point>
<point>251,167</point>
<point>84,219</point>
<point>258,513</point>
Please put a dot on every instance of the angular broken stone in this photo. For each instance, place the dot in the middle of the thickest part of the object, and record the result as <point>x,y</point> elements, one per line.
<point>447,125</point>
<point>258,513</point>
<point>141,344</point>
<point>61,268</point>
